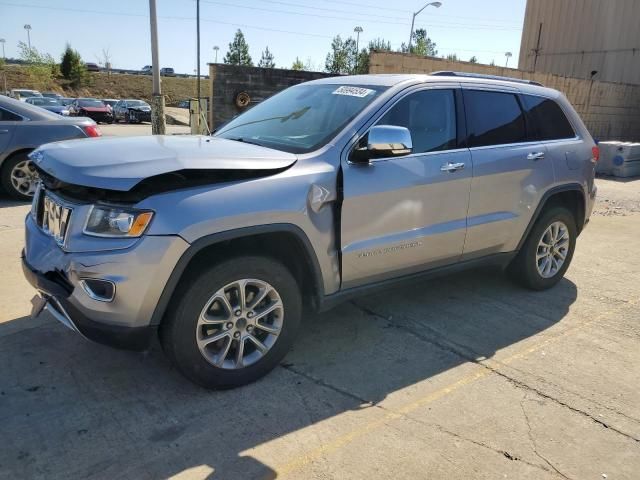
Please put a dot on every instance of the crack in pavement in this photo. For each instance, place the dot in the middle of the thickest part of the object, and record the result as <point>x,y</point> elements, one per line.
<point>436,426</point>
<point>459,350</point>
<point>532,440</point>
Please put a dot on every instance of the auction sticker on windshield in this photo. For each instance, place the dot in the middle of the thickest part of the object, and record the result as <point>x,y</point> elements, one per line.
<point>353,91</point>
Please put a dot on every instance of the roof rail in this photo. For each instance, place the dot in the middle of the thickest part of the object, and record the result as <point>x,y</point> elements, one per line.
<point>445,73</point>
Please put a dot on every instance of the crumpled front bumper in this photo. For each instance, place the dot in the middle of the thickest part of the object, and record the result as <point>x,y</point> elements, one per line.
<point>139,274</point>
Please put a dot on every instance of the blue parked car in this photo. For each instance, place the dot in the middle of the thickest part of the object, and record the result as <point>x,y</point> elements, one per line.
<point>52,104</point>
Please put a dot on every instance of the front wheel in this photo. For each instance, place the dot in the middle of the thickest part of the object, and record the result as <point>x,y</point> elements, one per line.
<point>548,250</point>
<point>232,323</point>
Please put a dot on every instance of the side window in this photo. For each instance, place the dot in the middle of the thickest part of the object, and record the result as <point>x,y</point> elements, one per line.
<point>547,120</point>
<point>493,118</point>
<point>430,116</point>
<point>7,116</point>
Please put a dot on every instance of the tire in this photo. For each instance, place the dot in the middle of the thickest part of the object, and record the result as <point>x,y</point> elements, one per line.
<point>13,170</point>
<point>543,273</point>
<point>127,119</point>
<point>183,334</point>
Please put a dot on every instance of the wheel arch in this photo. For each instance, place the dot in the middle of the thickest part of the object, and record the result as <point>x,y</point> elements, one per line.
<point>18,151</point>
<point>570,195</point>
<point>286,243</point>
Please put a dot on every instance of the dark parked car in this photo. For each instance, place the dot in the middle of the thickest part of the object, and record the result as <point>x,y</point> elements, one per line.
<point>92,67</point>
<point>24,127</point>
<point>167,72</point>
<point>66,101</point>
<point>51,104</point>
<point>93,108</point>
<point>132,111</point>
<point>146,70</point>
<point>110,101</point>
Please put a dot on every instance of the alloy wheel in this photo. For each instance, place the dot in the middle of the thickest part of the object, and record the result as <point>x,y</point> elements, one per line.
<point>552,250</point>
<point>24,178</point>
<point>240,323</point>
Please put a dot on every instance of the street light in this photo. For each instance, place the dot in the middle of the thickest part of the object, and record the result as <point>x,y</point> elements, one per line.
<point>508,55</point>
<point>2,41</point>
<point>358,30</point>
<point>433,4</point>
<point>215,49</point>
<point>27,27</point>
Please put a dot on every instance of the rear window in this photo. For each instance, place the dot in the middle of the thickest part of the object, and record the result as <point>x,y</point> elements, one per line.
<point>493,118</point>
<point>546,119</point>
<point>7,116</point>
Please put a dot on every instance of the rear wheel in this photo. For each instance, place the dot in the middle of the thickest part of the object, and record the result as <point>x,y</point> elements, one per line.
<point>19,177</point>
<point>548,250</point>
<point>233,323</point>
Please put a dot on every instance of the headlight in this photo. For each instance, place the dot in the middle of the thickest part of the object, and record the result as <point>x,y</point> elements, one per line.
<point>106,221</point>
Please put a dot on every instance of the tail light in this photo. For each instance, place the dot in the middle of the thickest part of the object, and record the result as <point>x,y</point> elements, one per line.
<point>92,131</point>
<point>595,153</point>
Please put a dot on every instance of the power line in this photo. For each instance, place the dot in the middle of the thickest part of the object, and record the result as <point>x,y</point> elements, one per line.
<point>165,17</point>
<point>359,18</point>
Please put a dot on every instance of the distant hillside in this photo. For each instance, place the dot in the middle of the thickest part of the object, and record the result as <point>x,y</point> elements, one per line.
<point>102,85</point>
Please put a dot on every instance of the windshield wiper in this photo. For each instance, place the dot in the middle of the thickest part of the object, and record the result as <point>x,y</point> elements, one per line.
<point>244,140</point>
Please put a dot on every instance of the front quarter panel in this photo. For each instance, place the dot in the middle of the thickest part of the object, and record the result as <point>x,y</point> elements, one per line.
<point>303,195</point>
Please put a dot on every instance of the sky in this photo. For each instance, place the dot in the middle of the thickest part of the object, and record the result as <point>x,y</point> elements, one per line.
<point>290,28</point>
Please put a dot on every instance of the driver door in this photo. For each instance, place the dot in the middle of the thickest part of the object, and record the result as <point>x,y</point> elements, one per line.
<point>405,214</point>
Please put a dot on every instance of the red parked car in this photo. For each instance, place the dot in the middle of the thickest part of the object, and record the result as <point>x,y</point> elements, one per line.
<point>93,108</point>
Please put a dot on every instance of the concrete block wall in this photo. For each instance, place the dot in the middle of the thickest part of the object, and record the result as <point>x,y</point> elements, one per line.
<point>611,111</point>
<point>227,81</point>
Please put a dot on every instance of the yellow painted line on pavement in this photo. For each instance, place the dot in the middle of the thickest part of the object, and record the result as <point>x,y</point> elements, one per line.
<point>306,458</point>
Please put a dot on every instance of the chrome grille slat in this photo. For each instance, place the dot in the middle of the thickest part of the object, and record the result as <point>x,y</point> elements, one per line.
<point>54,217</point>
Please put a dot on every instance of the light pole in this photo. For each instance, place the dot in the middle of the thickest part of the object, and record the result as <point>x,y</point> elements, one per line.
<point>27,27</point>
<point>215,49</point>
<point>413,19</point>
<point>508,55</point>
<point>2,41</point>
<point>358,30</point>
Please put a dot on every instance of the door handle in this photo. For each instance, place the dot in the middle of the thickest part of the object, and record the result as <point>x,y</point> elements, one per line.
<point>451,167</point>
<point>535,156</point>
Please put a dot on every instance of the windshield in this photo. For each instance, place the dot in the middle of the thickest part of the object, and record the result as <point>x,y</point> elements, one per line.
<point>136,103</point>
<point>302,118</point>
<point>88,102</point>
<point>44,101</point>
<point>28,93</point>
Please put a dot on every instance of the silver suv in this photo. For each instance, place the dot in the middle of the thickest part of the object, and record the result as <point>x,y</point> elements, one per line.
<point>326,190</point>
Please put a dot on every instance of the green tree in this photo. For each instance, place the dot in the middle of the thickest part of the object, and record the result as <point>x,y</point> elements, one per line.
<point>452,57</point>
<point>377,45</point>
<point>297,65</point>
<point>266,60</point>
<point>473,59</point>
<point>342,56</point>
<point>72,67</point>
<point>493,63</point>
<point>238,53</point>
<point>421,44</point>
<point>41,67</point>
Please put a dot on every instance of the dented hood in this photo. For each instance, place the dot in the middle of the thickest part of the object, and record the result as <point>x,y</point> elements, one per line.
<point>121,163</point>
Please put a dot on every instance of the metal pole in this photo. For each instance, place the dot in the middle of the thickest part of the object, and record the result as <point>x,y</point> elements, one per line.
<point>29,38</point>
<point>198,55</point>
<point>158,125</point>
<point>413,19</point>
<point>537,50</point>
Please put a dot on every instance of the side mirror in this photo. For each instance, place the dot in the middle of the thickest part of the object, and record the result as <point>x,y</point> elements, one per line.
<point>385,141</point>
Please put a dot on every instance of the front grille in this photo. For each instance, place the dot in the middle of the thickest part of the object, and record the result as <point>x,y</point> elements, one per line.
<point>52,215</point>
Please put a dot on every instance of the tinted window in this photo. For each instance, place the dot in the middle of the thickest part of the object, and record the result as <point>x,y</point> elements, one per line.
<point>430,116</point>
<point>493,118</point>
<point>7,116</point>
<point>546,119</point>
<point>89,102</point>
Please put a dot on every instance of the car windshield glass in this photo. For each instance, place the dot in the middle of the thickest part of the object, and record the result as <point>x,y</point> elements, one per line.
<point>90,103</point>
<point>302,118</point>
<point>136,103</point>
<point>27,93</point>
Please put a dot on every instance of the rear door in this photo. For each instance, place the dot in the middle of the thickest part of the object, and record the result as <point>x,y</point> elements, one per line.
<point>7,127</point>
<point>510,171</point>
<point>406,214</point>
